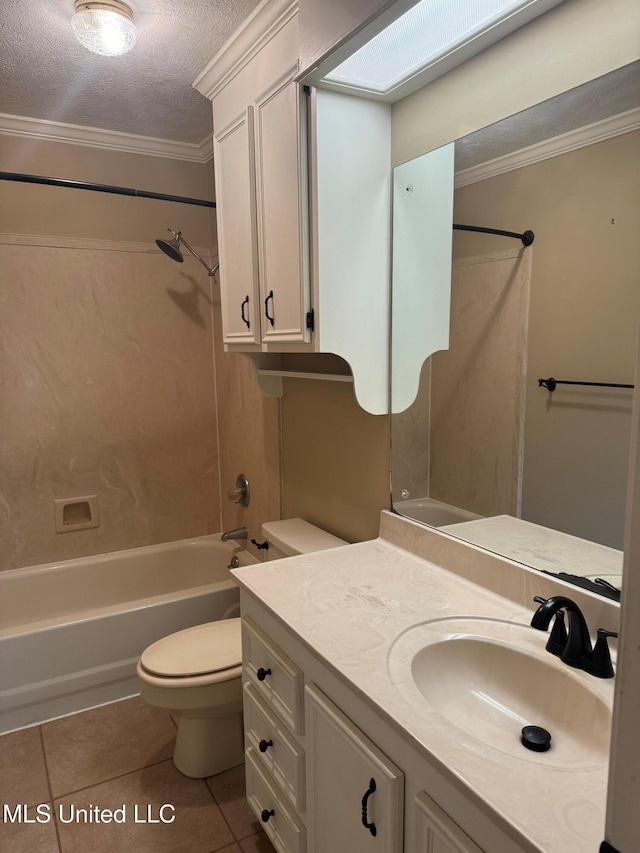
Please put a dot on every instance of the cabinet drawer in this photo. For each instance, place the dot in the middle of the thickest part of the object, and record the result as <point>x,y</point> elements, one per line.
<point>276,678</point>
<point>283,827</point>
<point>274,748</point>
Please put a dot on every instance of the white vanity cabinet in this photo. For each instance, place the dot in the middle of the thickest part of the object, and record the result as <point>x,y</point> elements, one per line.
<point>274,756</point>
<point>314,744</point>
<point>314,780</point>
<point>436,832</point>
<point>355,792</point>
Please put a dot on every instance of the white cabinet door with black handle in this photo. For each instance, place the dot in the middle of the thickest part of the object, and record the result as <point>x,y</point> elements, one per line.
<point>355,793</point>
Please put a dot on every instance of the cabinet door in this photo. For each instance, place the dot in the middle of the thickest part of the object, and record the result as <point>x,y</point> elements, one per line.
<point>282,214</point>
<point>354,793</point>
<point>235,208</point>
<point>436,832</point>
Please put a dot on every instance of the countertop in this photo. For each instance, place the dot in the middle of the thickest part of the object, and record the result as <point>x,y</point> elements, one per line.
<point>350,604</point>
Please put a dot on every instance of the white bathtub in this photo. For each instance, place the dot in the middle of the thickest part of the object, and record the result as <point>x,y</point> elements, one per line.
<point>432,512</point>
<point>71,632</point>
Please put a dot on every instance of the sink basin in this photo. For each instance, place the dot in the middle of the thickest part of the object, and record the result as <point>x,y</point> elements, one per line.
<point>489,679</point>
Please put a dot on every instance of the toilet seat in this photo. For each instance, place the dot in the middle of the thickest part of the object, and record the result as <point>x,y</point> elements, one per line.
<point>203,654</point>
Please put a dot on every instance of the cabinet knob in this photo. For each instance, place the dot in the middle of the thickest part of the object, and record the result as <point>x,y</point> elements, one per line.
<point>264,745</point>
<point>263,673</point>
<point>265,815</point>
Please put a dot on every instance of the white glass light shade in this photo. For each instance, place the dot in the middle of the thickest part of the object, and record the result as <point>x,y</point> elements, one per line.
<point>106,28</point>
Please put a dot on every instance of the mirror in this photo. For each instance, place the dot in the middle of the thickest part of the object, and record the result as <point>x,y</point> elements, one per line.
<point>484,452</point>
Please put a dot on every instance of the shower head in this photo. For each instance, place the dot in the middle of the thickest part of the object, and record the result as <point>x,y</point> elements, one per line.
<point>171,248</point>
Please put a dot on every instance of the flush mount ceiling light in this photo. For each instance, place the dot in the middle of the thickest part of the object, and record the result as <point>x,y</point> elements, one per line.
<point>104,27</point>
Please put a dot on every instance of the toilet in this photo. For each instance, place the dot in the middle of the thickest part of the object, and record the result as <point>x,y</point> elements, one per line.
<point>198,672</point>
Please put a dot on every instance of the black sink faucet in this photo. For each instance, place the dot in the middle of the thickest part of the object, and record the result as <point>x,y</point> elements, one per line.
<point>573,647</point>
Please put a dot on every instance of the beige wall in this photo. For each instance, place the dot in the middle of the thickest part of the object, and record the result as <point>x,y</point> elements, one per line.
<point>584,311</point>
<point>32,209</point>
<point>335,459</point>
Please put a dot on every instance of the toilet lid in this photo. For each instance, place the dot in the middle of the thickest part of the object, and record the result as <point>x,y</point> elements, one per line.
<point>196,651</point>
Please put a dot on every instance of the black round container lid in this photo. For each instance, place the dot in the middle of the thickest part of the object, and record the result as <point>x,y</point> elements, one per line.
<point>536,738</point>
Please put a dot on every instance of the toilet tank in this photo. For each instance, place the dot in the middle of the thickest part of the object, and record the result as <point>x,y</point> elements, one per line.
<point>293,536</point>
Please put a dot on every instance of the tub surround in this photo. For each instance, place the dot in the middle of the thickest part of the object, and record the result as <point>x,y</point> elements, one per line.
<point>349,606</point>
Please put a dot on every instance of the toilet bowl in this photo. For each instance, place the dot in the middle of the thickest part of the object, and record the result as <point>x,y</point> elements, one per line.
<point>198,672</point>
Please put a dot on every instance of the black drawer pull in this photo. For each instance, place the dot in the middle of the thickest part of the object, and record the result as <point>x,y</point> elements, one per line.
<point>245,301</point>
<point>264,817</point>
<point>269,317</point>
<point>264,745</point>
<point>263,673</point>
<point>370,826</point>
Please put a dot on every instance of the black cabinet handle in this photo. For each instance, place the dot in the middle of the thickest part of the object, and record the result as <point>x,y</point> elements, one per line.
<point>266,307</point>
<point>263,673</point>
<point>265,815</point>
<point>264,745</point>
<point>245,301</point>
<point>370,826</point>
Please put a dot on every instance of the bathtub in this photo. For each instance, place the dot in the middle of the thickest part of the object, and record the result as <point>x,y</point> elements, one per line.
<point>71,632</point>
<point>432,512</point>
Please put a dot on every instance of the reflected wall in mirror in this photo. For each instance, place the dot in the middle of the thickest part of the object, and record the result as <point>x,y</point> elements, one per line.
<point>484,453</point>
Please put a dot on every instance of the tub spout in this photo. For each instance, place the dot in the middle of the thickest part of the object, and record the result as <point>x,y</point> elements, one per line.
<point>238,533</point>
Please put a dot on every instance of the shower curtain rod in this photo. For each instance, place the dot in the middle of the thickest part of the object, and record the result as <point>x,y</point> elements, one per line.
<point>526,237</point>
<point>101,188</point>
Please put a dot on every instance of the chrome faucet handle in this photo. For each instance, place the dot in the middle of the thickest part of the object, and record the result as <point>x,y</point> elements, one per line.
<point>240,494</point>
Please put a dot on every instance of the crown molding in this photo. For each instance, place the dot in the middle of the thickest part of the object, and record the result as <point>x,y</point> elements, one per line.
<point>95,137</point>
<point>563,144</point>
<point>259,28</point>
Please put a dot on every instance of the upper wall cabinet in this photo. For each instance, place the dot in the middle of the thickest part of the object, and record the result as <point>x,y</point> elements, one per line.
<point>260,163</point>
<point>303,192</point>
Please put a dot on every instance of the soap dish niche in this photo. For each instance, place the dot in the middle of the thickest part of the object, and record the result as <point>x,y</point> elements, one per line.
<point>76,513</point>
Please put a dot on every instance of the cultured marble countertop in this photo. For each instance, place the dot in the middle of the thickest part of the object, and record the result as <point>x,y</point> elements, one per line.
<point>349,605</point>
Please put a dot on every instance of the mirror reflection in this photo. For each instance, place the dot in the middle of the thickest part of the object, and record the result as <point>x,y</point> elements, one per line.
<point>485,452</point>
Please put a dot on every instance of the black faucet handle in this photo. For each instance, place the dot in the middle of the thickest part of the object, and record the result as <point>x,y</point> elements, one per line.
<point>602,632</point>
<point>601,665</point>
<point>558,637</point>
<point>539,599</point>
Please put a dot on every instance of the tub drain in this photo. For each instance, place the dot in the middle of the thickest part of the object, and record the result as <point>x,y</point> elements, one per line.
<point>536,738</point>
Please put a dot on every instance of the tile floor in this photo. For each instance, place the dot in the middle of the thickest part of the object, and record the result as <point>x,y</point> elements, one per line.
<point>117,757</point>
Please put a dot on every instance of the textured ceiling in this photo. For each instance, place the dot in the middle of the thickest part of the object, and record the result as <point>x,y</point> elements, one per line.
<point>599,99</point>
<point>46,74</point>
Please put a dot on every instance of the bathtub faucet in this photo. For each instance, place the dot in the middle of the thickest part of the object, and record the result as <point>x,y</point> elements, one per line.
<point>238,533</point>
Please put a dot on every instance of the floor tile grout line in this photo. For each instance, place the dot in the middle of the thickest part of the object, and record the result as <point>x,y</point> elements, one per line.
<point>50,789</point>
<point>224,817</point>
<point>236,839</point>
<point>112,778</point>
